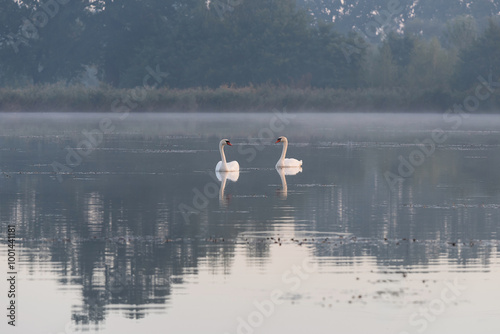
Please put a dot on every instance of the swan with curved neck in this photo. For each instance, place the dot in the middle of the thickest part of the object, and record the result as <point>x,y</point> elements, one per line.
<point>223,166</point>
<point>286,162</point>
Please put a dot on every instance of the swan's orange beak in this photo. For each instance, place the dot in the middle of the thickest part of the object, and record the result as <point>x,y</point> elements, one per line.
<point>229,143</point>
<point>278,141</point>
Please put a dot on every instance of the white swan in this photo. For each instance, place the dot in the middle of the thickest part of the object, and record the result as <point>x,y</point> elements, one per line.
<point>285,163</point>
<point>223,166</point>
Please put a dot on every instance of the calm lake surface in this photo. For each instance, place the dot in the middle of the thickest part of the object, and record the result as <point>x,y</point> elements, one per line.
<point>122,226</point>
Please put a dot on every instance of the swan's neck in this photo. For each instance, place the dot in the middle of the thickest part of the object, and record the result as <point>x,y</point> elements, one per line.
<point>283,153</point>
<point>222,155</point>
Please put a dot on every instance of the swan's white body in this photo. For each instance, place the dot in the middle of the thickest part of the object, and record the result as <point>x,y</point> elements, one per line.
<point>223,166</point>
<point>286,162</point>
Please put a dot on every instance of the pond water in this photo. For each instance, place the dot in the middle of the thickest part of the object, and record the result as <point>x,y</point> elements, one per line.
<point>121,223</point>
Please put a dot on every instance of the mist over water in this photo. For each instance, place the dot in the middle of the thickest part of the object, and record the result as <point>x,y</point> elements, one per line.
<point>389,213</point>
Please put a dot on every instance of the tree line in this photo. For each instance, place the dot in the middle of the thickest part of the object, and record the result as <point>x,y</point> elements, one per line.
<point>244,43</point>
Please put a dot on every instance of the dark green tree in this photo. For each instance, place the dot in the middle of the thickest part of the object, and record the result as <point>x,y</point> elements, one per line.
<point>460,32</point>
<point>481,59</point>
<point>401,48</point>
<point>16,56</point>
<point>259,41</point>
<point>336,60</point>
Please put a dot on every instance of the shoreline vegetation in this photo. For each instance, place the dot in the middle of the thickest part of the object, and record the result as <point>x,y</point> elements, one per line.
<point>62,98</point>
<point>250,56</point>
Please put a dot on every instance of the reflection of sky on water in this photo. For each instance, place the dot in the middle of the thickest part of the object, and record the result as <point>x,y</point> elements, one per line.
<point>109,249</point>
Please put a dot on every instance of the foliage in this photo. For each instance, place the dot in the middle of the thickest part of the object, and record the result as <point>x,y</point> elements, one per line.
<point>301,44</point>
<point>481,59</point>
<point>59,97</point>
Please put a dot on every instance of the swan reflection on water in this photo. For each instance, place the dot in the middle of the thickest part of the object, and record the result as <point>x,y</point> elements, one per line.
<point>283,192</point>
<point>223,177</point>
